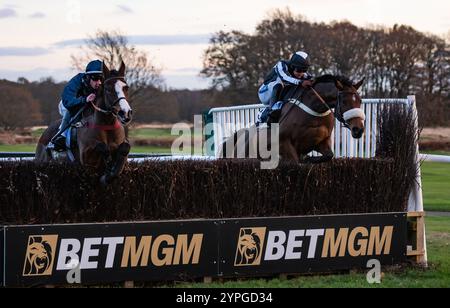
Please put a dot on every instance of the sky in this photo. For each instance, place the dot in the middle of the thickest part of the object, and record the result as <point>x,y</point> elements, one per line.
<point>38,37</point>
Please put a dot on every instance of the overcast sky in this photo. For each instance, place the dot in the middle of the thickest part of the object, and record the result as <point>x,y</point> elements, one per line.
<point>38,37</point>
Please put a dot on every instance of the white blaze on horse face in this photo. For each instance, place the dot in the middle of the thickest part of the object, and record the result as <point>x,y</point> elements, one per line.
<point>124,105</point>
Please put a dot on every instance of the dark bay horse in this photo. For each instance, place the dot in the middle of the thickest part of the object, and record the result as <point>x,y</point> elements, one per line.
<point>306,121</point>
<point>101,140</point>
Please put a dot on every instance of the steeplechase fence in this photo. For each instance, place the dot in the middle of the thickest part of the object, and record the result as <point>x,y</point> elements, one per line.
<point>222,219</point>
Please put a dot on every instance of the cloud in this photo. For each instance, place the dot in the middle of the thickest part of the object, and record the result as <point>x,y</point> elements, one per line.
<point>191,82</point>
<point>37,15</point>
<point>22,51</point>
<point>186,39</point>
<point>7,12</point>
<point>124,9</point>
<point>182,39</point>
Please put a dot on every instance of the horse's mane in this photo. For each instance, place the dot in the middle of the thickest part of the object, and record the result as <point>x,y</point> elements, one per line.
<point>332,78</point>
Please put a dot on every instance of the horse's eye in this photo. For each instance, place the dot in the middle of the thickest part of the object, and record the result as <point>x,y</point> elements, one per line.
<point>125,88</point>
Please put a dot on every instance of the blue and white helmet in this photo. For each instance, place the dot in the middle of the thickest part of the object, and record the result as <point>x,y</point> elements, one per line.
<point>94,67</point>
<point>299,60</point>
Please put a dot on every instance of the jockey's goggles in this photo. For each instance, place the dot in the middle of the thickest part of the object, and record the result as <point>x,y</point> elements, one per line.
<point>96,77</point>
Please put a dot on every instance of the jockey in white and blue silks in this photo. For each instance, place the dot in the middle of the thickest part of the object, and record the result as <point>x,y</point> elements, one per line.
<point>292,72</point>
<point>77,93</point>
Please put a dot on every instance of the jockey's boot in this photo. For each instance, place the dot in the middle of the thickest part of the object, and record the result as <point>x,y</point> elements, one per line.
<point>263,116</point>
<point>60,143</point>
<point>273,116</point>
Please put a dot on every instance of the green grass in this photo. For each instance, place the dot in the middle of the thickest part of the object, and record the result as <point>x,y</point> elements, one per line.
<point>154,133</point>
<point>150,149</point>
<point>436,152</point>
<point>436,186</point>
<point>438,274</point>
<point>150,133</point>
<point>37,132</point>
<point>17,148</point>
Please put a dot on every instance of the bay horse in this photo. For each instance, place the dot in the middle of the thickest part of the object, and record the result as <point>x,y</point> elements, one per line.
<point>101,139</point>
<point>306,121</point>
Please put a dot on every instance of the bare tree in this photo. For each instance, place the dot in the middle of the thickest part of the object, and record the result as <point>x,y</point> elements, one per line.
<point>112,47</point>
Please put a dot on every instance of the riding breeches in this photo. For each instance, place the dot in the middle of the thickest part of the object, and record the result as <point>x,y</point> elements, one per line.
<point>65,115</point>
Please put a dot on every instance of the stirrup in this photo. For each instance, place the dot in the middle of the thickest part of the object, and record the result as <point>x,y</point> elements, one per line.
<point>78,124</point>
<point>58,145</point>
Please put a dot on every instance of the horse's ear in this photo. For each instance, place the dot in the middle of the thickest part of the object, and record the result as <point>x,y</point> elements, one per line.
<point>105,70</point>
<point>339,85</point>
<point>122,69</point>
<point>359,84</point>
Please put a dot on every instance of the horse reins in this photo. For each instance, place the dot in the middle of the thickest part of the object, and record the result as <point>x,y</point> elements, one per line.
<point>337,110</point>
<point>320,98</point>
<point>104,98</point>
<point>299,96</point>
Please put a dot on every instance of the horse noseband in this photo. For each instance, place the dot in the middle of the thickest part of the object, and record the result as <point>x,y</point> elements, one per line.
<point>349,114</point>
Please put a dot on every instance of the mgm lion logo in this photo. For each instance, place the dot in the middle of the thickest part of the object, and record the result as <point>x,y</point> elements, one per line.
<point>249,249</point>
<point>40,255</point>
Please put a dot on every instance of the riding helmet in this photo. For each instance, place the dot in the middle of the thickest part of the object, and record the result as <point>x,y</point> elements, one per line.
<point>299,60</point>
<point>94,67</point>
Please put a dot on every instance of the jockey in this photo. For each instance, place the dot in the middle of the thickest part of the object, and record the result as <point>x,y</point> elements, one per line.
<point>292,72</point>
<point>80,90</point>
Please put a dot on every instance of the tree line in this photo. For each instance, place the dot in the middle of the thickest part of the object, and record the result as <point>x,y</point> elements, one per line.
<point>396,62</point>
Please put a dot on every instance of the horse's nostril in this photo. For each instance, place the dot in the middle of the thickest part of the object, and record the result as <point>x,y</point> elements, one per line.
<point>357,132</point>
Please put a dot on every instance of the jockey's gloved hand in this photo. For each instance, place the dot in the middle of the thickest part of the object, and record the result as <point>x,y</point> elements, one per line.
<point>307,83</point>
<point>90,98</point>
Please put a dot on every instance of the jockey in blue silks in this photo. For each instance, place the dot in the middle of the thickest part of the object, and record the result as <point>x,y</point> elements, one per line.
<point>292,72</point>
<point>80,90</point>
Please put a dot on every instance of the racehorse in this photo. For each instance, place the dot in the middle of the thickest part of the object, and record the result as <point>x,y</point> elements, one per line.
<point>101,139</point>
<point>306,121</point>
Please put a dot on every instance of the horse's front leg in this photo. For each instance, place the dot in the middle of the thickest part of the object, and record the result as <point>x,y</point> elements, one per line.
<point>102,150</point>
<point>288,151</point>
<point>323,148</point>
<point>117,164</point>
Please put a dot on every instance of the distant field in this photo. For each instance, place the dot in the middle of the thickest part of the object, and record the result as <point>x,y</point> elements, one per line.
<point>17,148</point>
<point>155,133</point>
<point>150,133</point>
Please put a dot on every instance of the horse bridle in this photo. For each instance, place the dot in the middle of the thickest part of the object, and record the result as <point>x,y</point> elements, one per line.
<point>110,111</point>
<point>338,114</point>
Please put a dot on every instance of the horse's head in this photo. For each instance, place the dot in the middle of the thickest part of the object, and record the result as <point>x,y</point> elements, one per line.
<point>345,101</point>
<point>116,93</point>
<point>348,106</point>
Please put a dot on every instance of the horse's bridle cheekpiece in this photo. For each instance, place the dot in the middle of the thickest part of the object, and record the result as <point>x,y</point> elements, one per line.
<point>338,114</point>
<point>349,114</point>
<point>342,117</point>
<point>110,111</point>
